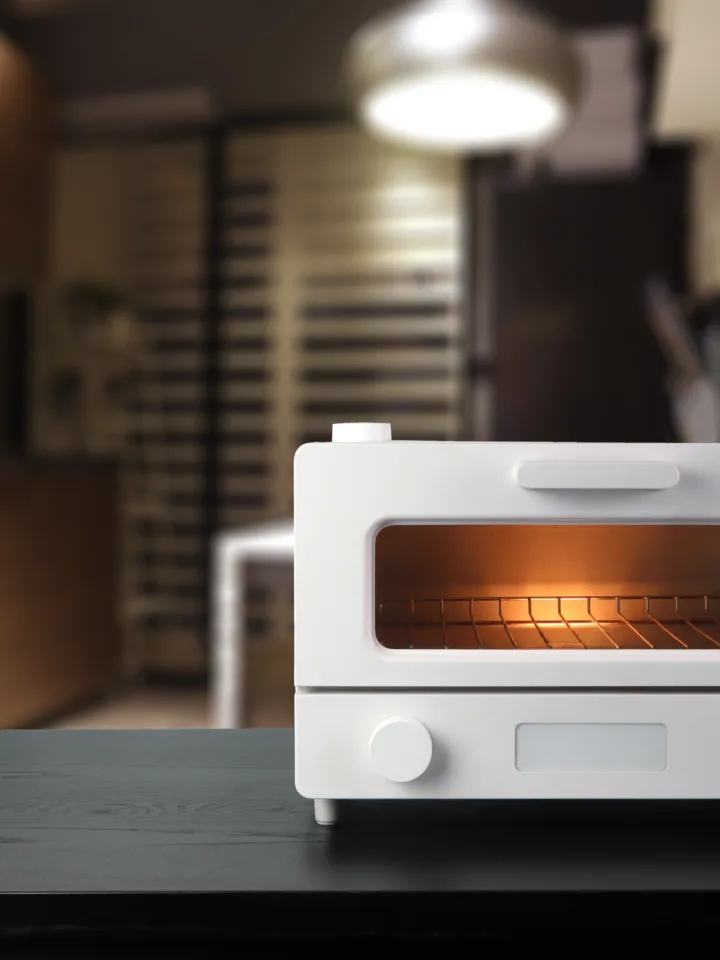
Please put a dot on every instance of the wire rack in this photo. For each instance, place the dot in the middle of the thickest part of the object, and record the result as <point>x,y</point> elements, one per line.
<point>551,623</point>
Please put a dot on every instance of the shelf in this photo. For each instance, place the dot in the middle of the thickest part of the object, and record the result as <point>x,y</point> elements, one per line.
<point>550,623</point>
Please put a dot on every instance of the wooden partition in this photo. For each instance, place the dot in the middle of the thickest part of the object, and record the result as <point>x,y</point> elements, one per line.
<point>59,636</point>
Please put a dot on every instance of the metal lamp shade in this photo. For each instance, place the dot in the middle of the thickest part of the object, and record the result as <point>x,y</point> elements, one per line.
<point>464,75</point>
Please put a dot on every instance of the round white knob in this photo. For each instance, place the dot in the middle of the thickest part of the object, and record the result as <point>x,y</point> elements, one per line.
<point>361,432</point>
<point>400,749</point>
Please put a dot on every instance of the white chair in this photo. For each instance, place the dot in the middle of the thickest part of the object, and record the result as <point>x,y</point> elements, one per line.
<point>231,554</point>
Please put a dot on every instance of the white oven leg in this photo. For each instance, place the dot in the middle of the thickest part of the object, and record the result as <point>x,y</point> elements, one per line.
<point>325,812</point>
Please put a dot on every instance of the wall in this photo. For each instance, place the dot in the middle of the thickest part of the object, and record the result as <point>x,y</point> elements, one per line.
<point>705,243</point>
<point>575,357</point>
<point>25,152</point>
<point>115,211</point>
<point>88,241</point>
<point>25,144</point>
<point>90,217</point>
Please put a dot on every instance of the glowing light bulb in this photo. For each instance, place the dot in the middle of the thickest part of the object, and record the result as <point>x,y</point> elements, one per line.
<point>470,107</point>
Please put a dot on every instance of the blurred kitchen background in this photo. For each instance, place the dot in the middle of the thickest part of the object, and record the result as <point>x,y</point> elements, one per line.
<point>206,262</point>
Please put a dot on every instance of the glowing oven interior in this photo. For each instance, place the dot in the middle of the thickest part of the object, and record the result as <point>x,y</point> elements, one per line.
<point>548,587</point>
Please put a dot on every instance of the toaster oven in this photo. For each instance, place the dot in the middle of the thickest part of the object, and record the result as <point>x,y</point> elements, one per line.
<point>505,620</point>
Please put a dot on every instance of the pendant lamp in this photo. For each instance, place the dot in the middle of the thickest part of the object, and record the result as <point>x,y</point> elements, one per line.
<point>464,75</point>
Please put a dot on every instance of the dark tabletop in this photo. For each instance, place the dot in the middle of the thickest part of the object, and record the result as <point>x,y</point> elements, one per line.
<point>197,830</point>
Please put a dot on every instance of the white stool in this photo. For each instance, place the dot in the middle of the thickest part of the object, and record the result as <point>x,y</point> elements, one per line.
<point>231,554</point>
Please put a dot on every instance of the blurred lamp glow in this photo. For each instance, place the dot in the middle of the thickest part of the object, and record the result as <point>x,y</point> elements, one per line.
<point>463,75</point>
<point>465,108</point>
<point>444,30</point>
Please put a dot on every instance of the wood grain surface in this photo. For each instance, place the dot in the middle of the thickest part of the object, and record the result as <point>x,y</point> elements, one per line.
<point>60,642</point>
<point>161,819</point>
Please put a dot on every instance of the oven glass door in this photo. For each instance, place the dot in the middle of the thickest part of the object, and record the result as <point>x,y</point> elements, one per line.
<point>547,587</point>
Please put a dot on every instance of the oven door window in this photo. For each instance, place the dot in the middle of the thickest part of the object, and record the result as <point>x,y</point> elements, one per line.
<point>548,587</point>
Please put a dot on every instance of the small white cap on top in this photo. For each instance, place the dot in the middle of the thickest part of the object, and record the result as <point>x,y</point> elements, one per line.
<point>361,432</point>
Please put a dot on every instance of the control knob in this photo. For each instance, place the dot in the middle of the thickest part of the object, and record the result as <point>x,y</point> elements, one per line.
<point>400,749</point>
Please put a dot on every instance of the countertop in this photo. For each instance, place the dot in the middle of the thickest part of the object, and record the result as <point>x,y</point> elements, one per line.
<point>187,832</point>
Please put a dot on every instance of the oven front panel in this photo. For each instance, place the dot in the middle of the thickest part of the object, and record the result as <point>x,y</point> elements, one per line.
<point>507,565</point>
<point>506,745</point>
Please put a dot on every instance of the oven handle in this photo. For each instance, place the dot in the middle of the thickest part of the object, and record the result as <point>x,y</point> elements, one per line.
<point>555,475</point>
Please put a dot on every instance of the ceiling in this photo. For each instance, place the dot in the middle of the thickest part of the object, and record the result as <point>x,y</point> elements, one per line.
<point>250,55</point>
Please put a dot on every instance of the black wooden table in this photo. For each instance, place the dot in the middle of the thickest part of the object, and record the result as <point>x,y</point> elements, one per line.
<point>193,833</point>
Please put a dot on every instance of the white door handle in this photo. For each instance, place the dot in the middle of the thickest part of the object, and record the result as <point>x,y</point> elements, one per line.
<point>553,475</point>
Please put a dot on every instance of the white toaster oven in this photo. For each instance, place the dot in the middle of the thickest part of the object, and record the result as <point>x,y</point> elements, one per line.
<point>505,620</point>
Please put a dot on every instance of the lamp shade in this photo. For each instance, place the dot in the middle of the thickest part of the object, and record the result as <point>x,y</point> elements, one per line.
<point>463,75</point>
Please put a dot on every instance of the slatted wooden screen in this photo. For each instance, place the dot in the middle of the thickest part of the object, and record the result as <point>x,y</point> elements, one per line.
<point>341,300</point>
<point>338,298</point>
<point>252,415</point>
<point>167,244</point>
<point>377,311</point>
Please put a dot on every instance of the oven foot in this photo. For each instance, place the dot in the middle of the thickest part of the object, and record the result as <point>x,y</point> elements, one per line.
<point>325,812</point>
